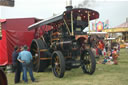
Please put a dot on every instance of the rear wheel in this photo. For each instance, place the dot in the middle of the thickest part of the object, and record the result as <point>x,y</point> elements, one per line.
<point>58,64</point>
<point>88,63</point>
<point>3,78</point>
<point>39,50</point>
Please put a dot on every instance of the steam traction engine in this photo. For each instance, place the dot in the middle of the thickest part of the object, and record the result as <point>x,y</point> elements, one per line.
<point>65,45</point>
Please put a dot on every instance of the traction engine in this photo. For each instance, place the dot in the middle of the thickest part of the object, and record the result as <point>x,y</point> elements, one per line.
<point>63,44</point>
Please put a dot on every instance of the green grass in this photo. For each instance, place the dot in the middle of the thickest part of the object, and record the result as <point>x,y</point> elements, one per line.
<point>104,75</point>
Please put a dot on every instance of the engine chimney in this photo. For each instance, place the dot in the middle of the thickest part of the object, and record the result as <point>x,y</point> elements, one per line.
<point>69,5</point>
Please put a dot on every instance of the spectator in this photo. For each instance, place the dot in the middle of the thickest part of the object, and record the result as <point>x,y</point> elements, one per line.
<point>106,45</point>
<point>115,55</point>
<point>100,48</point>
<point>16,64</point>
<point>21,49</point>
<point>126,45</point>
<point>25,57</point>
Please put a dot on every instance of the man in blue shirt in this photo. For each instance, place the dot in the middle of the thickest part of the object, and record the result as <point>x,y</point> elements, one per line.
<point>25,57</point>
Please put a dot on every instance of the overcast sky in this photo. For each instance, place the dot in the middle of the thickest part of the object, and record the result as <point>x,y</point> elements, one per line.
<point>115,11</point>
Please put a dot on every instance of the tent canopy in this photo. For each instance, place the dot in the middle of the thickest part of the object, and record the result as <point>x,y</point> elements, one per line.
<point>120,28</point>
<point>14,32</point>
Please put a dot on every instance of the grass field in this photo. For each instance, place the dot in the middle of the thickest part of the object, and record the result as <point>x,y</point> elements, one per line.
<point>104,75</point>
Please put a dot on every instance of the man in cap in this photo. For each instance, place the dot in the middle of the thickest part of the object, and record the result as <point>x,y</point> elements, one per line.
<point>16,64</point>
<point>25,57</point>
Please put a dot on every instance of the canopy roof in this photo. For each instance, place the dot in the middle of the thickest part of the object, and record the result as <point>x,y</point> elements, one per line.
<point>123,25</point>
<point>2,20</point>
<point>120,28</point>
<point>58,20</point>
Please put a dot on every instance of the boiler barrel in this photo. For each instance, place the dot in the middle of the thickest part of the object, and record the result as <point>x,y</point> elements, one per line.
<point>64,45</point>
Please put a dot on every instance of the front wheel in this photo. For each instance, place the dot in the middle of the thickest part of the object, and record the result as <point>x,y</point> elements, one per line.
<point>88,62</point>
<point>58,64</point>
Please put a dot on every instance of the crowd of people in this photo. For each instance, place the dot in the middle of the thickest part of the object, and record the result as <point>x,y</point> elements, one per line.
<point>22,58</point>
<point>105,51</point>
<point>22,62</point>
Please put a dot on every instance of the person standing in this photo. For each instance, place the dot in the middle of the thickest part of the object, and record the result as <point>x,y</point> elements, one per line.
<point>25,57</point>
<point>126,45</point>
<point>16,64</point>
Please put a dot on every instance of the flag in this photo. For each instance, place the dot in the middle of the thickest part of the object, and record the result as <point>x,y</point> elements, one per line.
<point>99,26</point>
<point>106,24</point>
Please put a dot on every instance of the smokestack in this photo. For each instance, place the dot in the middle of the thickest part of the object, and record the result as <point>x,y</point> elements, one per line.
<point>69,5</point>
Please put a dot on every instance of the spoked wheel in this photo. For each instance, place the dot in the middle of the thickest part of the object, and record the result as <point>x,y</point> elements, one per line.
<point>36,48</point>
<point>3,78</point>
<point>88,62</point>
<point>58,64</point>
